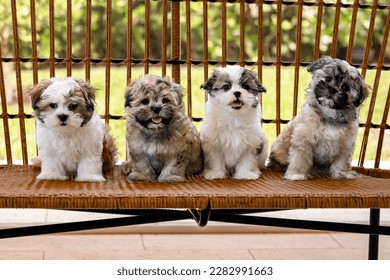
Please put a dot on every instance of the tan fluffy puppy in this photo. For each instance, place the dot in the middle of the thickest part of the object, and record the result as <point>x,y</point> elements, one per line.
<point>162,142</point>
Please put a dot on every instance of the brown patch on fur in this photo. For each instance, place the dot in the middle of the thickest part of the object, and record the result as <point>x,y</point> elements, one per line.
<point>87,90</point>
<point>109,154</point>
<point>36,91</point>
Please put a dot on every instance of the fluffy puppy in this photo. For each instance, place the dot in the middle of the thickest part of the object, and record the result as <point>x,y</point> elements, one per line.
<point>72,140</point>
<point>162,142</point>
<point>232,138</point>
<point>321,138</point>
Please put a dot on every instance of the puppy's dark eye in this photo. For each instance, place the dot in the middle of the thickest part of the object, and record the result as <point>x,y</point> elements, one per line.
<point>246,87</point>
<point>53,105</point>
<point>73,106</point>
<point>226,87</point>
<point>328,79</point>
<point>145,101</point>
<point>345,88</point>
<point>165,101</point>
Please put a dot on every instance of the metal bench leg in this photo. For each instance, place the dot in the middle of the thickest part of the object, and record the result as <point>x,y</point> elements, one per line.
<point>373,243</point>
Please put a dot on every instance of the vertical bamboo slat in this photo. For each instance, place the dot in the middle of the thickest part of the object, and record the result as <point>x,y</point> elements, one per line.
<point>333,49</point>
<point>241,60</point>
<point>260,42</point>
<point>205,43</point>
<point>369,38</point>
<point>223,33</point>
<point>352,31</point>
<point>4,114</point>
<point>52,58</point>
<point>147,37</point>
<point>164,39</point>
<point>34,48</point>
<point>278,62</point>
<point>188,59</point>
<point>19,88</point>
<point>175,41</point>
<point>297,60</point>
<point>108,59</point>
<point>88,34</point>
<point>68,59</point>
<point>318,29</point>
<point>129,53</point>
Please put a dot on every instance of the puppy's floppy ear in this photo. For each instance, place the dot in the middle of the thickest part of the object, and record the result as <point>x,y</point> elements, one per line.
<point>260,87</point>
<point>128,95</point>
<point>208,85</point>
<point>130,91</point>
<point>36,91</point>
<point>252,75</point>
<point>88,92</point>
<point>128,98</point>
<point>364,92</point>
<point>178,89</point>
<point>319,63</point>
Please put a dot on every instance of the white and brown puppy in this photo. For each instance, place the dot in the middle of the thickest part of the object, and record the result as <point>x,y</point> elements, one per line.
<point>162,142</point>
<point>321,138</point>
<point>232,138</point>
<point>72,140</point>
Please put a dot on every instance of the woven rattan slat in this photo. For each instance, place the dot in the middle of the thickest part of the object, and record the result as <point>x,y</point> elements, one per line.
<point>20,189</point>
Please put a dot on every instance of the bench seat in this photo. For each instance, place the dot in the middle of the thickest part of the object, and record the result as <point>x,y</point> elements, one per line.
<point>20,189</point>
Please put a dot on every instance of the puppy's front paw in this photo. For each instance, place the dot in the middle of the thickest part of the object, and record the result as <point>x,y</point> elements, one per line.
<point>295,176</point>
<point>136,176</point>
<point>52,176</point>
<point>171,178</point>
<point>126,167</point>
<point>90,178</point>
<point>210,174</point>
<point>247,175</point>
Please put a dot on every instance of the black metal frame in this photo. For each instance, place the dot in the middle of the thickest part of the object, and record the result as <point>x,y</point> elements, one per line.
<point>201,217</point>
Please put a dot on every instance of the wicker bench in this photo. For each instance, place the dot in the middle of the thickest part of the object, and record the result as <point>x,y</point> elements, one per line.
<point>225,200</point>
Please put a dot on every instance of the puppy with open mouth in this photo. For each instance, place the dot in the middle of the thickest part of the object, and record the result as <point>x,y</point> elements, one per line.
<point>72,140</point>
<point>232,138</point>
<point>162,142</point>
<point>321,138</point>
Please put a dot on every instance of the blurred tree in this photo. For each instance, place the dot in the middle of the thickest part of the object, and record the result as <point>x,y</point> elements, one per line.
<point>119,29</point>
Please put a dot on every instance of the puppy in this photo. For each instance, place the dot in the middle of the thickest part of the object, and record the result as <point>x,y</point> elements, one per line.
<point>232,138</point>
<point>321,138</point>
<point>162,142</point>
<point>72,140</point>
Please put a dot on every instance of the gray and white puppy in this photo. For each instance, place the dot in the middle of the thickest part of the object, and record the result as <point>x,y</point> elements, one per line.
<point>232,137</point>
<point>162,142</point>
<point>321,138</point>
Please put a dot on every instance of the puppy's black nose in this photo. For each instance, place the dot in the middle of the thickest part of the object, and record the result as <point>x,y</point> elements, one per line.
<point>156,110</point>
<point>63,117</point>
<point>237,94</point>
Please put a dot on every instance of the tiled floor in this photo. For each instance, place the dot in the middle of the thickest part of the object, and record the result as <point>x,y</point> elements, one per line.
<point>184,240</point>
<point>191,246</point>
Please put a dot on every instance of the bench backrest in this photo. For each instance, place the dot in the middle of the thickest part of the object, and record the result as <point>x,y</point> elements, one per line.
<point>110,43</point>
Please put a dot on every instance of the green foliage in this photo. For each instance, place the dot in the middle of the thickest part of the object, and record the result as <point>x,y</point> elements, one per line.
<point>119,23</point>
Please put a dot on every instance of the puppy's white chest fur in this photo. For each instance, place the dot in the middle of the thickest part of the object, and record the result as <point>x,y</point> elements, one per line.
<point>327,146</point>
<point>231,132</point>
<point>66,147</point>
<point>233,142</point>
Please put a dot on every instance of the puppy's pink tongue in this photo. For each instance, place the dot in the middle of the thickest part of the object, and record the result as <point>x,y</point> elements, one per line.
<point>156,120</point>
